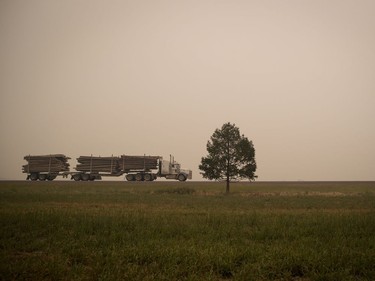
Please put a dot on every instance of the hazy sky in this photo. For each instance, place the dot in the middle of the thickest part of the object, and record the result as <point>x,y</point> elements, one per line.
<point>153,77</point>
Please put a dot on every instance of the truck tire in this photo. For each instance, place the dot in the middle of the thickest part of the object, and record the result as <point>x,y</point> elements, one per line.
<point>130,177</point>
<point>34,176</point>
<point>42,177</point>
<point>139,177</point>
<point>181,177</point>
<point>51,177</point>
<point>85,177</point>
<point>148,177</point>
<point>77,177</point>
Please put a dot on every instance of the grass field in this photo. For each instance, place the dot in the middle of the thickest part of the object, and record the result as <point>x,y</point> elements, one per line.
<point>66,230</point>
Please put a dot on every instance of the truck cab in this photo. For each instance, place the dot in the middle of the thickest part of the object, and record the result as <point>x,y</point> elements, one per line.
<point>172,170</point>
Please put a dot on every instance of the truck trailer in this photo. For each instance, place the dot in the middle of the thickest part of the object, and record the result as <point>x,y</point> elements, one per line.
<point>45,167</point>
<point>89,168</point>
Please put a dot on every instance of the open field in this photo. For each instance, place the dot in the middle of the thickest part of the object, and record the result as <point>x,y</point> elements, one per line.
<point>64,230</point>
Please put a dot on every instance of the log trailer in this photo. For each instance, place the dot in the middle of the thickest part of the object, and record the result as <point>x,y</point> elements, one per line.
<point>89,168</point>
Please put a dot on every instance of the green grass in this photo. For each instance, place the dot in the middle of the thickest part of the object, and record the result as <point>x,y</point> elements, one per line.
<point>187,231</point>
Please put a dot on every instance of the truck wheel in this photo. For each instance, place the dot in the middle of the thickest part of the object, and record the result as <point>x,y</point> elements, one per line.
<point>148,177</point>
<point>85,177</point>
<point>181,177</point>
<point>42,177</point>
<point>130,177</point>
<point>139,177</point>
<point>77,177</point>
<point>34,176</point>
<point>51,177</point>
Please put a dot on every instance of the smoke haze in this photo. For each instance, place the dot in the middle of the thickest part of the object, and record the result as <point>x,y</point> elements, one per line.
<point>158,77</point>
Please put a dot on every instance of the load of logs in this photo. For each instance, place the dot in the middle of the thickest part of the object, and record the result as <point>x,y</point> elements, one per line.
<point>93,164</point>
<point>56,163</point>
<point>114,165</point>
<point>53,163</point>
<point>146,163</point>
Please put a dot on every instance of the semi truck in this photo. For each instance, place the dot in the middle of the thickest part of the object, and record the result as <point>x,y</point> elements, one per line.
<point>90,168</point>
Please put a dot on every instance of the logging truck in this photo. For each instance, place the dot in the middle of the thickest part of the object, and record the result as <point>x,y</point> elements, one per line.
<point>89,168</point>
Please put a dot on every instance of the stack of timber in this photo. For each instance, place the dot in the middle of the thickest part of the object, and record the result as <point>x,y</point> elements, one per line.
<point>146,163</point>
<point>53,163</point>
<point>93,164</point>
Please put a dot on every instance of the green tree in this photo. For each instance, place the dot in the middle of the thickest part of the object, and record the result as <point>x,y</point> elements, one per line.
<point>231,156</point>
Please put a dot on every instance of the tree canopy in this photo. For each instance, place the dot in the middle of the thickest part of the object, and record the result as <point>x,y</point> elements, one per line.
<point>231,156</point>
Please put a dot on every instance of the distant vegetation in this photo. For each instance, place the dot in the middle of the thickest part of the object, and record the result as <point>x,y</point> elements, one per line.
<point>187,231</point>
<point>231,156</point>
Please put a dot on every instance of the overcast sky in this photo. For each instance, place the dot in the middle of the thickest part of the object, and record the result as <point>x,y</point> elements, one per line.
<point>157,77</point>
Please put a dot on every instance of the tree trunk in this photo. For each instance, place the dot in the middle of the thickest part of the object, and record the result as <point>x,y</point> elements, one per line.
<point>228,162</point>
